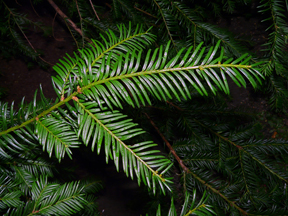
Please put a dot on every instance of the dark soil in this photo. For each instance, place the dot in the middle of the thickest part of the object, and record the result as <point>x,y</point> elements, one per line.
<point>118,198</point>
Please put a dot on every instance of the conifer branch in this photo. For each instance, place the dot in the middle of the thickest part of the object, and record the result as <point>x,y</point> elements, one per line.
<point>187,170</point>
<point>240,148</point>
<point>11,13</point>
<point>166,24</point>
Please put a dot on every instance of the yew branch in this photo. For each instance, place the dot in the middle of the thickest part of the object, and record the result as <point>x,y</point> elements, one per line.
<point>187,170</point>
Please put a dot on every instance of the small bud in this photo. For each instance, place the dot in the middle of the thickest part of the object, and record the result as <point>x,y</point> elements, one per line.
<point>274,135</point>
<point>79,90</point>
<point>75,98</point>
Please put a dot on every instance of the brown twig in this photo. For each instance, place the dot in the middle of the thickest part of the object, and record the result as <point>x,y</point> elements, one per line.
<point>170,103</point>
<point>33,46</point>
<point>145,12</point>
<point>94,10</point>
<point>108,5</point>
<point>168,144</point>
<point>80,22</point>
<point>65,17</point>
<point>34,9</point>
<point>17,3</point>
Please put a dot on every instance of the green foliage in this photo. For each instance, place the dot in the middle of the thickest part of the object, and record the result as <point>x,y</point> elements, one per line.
<point>184,23</point>
<point>46,198</point>
<point>189,207</point>
<point>98,81</point>
<point>13,29</point>
<point>227,159</point>
<point>107,90</point>
<point>276,52</point>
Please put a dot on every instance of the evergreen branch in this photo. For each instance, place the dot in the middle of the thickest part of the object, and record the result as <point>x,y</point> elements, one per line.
<point>53,133</point>
<point>24,179</point>
<point>189,208</point>
<point>101,26</point>
<point>120,77</point>
<point>240,148</point>
<point>186,15</point>
<point>114,133</point>
<point>260,153</point>
<point>196,209</point>
<point>46,112</point>
<point>66,77</point>
<point>187,170</point>
<point>68,68</point>
<point>243,172</point>
<point>66,200</point>
<point>201,67</point>
<point>127,8</point>
<point>165,22</point>
<point>10,199</point>
<point>22,176</point>
<point>276,44</point>
<point>114,136</point>
<point>38,55</point>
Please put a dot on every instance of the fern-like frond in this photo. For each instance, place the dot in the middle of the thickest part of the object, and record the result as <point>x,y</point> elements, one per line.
<point>197,30</point>
<point>111,129</point>
<point>51,199</point>
<point>248,163</point>
<point>23,178</point>
<point>191,206</point>
<point>124,7</point>
<point>217,153</point>
<point>56,135</point>
<point>125,79</point>
<point>278,92</point>
<point>112,48</point>
<point>8,197</point>
<point>67,199</point>
<point>276,51</point>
